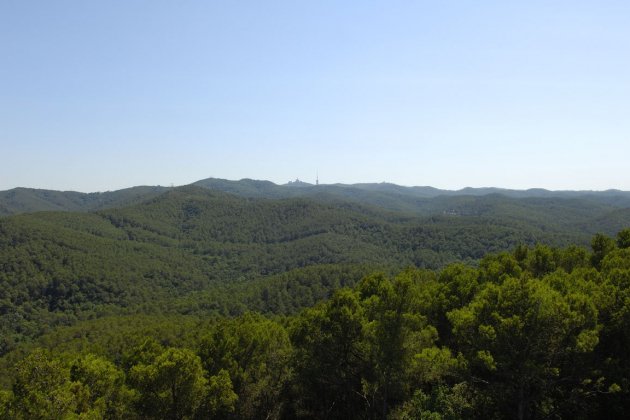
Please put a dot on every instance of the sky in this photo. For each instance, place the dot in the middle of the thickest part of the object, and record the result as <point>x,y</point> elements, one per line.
<point>103,95</point>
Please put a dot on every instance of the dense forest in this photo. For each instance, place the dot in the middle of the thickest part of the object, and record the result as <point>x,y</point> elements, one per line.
<point>534,333</point>
<point>201,302</point>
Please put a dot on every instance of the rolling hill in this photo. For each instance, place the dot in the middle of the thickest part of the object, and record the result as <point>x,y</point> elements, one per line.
<point>143,275</point>
<point>196,249</point>
<point>28,200</point>
<point>415,200</point>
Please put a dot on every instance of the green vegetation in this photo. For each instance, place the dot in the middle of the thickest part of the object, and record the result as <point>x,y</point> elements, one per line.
<point>415,200</point>
<point>537,332</point>
<point>196,303</point>
<point>192,250</point>
<point>24,200</point>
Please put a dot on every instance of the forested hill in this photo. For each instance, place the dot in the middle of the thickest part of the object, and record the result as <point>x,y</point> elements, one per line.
<point>530,334</point>
<point>27,200</point>
<point>396,197</point>
<point>177,272</point>
<point>180,247</point>
<point>416,200</point>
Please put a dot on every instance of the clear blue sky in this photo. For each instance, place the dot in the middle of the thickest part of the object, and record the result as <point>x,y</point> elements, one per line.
<point>101,95</point>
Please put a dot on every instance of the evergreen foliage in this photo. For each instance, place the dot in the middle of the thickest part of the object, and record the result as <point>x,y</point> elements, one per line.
<point>198,304</point>
<point>191,250</point>
<point>539,332</point>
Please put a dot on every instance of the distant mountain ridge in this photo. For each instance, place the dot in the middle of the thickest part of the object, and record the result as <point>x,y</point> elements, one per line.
<point>29,200</point>
<point>262,188</point>
<point>388,196</point>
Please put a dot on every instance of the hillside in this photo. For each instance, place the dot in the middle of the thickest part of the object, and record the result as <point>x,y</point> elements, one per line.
<point>109,281</point>
<point>414,200</point>
<point>59,267</point>
<point>535,333</point>
<point>28,200</point>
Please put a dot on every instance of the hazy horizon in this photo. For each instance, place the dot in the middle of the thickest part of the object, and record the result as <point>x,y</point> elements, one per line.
<point>312,182</point>
<point>102,96</point>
